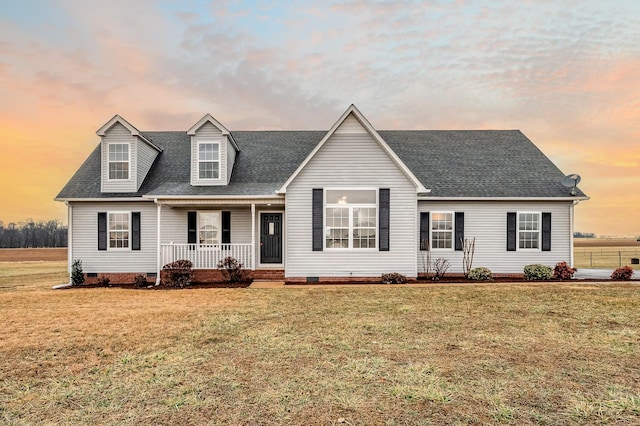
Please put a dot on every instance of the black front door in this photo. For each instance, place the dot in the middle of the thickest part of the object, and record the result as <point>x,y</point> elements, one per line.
<point>270,237</point>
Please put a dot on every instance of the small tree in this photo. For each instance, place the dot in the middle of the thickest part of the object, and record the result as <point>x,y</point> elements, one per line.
<point>468,250</point>
<point>77,275</point>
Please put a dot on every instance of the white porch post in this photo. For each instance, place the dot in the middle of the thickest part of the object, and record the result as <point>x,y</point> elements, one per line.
<point>159,243</point>
<point>571,227</point>
<point>253,236</point>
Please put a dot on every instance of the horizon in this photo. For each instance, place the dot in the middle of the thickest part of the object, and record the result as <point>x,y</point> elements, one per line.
<point>553,70</point>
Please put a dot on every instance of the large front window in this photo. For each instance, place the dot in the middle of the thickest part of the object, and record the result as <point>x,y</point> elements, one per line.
<point>118,161</point>
<point>529,230</point>
<point>118,230</point>
<point>209,227</point>
<point>208,160</point>
<point>351,218</point>
<point>442,230</point>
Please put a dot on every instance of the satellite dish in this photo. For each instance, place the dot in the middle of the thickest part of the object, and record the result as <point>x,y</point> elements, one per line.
<point>571,181</point>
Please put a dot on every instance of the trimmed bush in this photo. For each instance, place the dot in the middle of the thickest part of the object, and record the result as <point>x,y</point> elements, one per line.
<point>140,281</point>
<point>103,281</point>
<point>177,274</point>
<point>394,278</point>
<point>537,272</point>
<point>77,275</point>
<point>440,267</point>
<point>233,271</point>
<point>563,271</point>
<point>623,273</point>
<point>480,274</point>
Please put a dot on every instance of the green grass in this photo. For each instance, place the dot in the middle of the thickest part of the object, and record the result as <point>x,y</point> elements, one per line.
<point>553,354</point>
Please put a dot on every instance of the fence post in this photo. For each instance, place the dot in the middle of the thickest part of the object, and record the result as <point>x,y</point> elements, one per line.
<point>619,259</point>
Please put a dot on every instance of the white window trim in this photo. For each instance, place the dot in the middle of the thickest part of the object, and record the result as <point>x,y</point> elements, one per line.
<point>129,230</point>
<point>539,231</point>
<point>203,142</point>
<point>326,205</point>
<point>209,245</point>
<point>453,231</point>
<point>109,161</point>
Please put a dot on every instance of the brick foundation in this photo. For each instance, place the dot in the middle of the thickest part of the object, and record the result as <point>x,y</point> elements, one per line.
<point>269,274</point>
<point>119,277</point>
<point>339,280</point>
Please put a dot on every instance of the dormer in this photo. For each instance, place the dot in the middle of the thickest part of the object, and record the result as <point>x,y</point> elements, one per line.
<point>213,152</point>
<point>127,156</point>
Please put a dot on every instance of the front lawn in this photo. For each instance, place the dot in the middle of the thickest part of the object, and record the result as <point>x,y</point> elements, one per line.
<point>512,354</point>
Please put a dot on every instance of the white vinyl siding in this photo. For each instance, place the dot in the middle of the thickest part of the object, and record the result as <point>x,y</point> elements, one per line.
<point>145,158</point>
<point>231,158</point>
<point>115,136</point>
<point>208,134</point>
<point>173,224</point>
<point>350,158</point>
<point>487,222</point>
<point>85,238</point>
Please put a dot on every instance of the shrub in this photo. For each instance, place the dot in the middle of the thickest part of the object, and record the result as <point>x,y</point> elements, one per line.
<point>440,267</point>
<point>140,281</point>
<point>233,271</point>
<point>480,274</point>
<point>103,281</point>
<point>77,275</point>
<point>623,273</point>
<point>562,271</point>
<point>178,273</point>
<point>394,278</point>
<point>537,272</point>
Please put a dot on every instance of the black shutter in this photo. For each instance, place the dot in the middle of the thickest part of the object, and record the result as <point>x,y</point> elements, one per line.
<point>226,227</point>
<point>102,231</point>
<point>384,199</point>
<point>424,230</point>
<point>192,230</point>
<point>511,231</point>
<point>317,219</point>
<point>135,230</point>
<point>459,232</point>
<point>546,231</point>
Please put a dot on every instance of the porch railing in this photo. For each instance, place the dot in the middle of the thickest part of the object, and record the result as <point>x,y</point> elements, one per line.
<point>207,256</point>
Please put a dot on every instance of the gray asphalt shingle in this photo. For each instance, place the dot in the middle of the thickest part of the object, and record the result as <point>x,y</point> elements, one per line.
<point>456,163</point>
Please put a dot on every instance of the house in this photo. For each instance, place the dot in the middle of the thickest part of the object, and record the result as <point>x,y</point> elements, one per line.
<point>350,203</point>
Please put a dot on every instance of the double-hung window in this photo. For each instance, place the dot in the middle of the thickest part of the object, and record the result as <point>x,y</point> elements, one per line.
<point>442,230</point>
<point>208,160</point>
<point>118,161</point>
<point>529,230</point>
<point>118,230</point>
<point>209,227</point>
<point>351,218</point>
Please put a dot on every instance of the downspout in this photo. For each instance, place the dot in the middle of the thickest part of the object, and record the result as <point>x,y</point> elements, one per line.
<point>571,229</point>
<point>159,243</point>
<point>69,238</point>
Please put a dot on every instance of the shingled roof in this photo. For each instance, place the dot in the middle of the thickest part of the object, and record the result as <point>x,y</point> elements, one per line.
<point>452,163</point>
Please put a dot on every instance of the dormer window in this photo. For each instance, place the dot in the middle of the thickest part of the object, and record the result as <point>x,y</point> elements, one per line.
<point>118,161</point>
<point>208,160</point>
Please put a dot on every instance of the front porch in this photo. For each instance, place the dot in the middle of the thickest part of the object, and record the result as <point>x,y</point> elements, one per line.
<point>206,231</point>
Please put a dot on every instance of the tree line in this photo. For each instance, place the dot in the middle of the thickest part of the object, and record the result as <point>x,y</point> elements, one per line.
<point>30,233</point>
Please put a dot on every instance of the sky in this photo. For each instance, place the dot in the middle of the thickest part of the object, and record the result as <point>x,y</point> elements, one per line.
<point>565,73</point>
